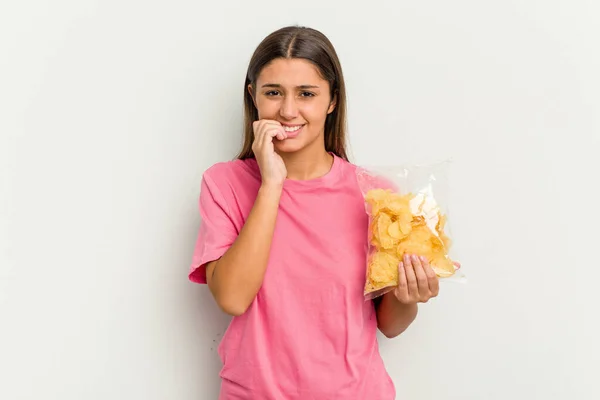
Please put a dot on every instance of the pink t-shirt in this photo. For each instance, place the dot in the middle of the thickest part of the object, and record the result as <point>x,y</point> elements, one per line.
<point>309,333</point>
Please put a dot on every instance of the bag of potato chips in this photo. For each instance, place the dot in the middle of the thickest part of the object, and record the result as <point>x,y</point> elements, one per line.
<point>407,209</point>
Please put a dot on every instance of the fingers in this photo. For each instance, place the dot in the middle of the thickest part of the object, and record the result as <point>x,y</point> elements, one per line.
<point>417,280</point>
<point>432,279</point>
<point>266,136</point>
<point>422,281</point>
<point>265,131</point>
<point>268,127</point>
<point>261,123</point>
<point>402,289</point>
<point>413,286</point>
<point>278,133</point>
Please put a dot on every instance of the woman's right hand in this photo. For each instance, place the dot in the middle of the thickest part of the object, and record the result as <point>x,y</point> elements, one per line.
<point>272,167</point>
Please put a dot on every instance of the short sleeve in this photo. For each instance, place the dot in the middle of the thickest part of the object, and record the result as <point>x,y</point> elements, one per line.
<point>369,179</point>
<point>217,231</point>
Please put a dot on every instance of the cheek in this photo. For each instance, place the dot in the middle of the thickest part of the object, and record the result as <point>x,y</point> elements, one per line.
<point>267,109</point>
<point>315,113</point>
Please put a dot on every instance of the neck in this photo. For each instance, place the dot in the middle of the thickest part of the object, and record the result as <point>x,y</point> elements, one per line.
<point>307,164</point>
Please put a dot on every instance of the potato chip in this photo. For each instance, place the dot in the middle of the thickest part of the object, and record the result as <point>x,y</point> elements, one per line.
<point>384,221</point>
<point>394,231</point>
<point>382,269</point>
<point>440,230</point>
<point>405,221</point>
<point>442,266</point>
<point>402,224</point>
<point>375,198</point>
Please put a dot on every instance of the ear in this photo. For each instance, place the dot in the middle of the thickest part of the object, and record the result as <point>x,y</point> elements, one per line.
<point>251,91</point>
<point>332,104</point>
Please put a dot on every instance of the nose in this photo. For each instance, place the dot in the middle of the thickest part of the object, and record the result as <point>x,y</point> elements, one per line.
<point>288,109</point>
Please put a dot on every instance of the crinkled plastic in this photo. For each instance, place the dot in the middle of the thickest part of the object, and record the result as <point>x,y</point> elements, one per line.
<point>408,213</point>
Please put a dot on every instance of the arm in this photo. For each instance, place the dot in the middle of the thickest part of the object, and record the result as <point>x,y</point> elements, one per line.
<point>235,278</point>
<point>394,317</point>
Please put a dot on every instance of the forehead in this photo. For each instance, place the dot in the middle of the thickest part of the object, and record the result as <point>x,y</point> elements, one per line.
<point>294,72</point>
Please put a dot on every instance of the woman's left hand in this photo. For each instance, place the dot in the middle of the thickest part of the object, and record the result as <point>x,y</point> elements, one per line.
<point>417,282</point>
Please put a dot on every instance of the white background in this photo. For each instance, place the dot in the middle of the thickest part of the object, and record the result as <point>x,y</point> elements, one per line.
<point>111,110</point>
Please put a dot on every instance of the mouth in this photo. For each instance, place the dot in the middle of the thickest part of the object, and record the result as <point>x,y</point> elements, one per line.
<point>292,130</point>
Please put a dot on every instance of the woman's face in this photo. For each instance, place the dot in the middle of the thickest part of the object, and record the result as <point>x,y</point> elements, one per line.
<point>292,92</point>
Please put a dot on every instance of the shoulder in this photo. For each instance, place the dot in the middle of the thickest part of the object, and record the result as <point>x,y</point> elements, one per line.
<point>347,165</point>
<point>368,178</point>
<point>228,171</point>
<point>348,170</point>
<point>230,181</point>
<point>351,168</point>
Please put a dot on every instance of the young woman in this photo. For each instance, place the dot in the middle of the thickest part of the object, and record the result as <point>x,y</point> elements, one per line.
<point>282,242</point>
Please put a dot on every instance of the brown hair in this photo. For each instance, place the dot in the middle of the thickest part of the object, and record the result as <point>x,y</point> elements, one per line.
<point>311,45</point>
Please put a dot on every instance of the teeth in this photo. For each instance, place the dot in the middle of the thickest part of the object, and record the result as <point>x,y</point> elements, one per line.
<point>292,128</point>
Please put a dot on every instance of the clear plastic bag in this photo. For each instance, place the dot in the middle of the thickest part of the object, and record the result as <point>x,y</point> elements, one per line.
<point>408,212</point>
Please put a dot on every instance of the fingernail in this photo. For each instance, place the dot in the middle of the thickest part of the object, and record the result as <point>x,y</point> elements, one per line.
<point>401,264</point>
<point>423,258</point>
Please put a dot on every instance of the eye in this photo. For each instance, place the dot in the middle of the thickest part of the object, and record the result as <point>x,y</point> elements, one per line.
<point>272,93</point>
<point>307,94</point>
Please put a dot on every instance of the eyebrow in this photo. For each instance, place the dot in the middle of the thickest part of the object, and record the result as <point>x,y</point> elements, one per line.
<point>276,85</point>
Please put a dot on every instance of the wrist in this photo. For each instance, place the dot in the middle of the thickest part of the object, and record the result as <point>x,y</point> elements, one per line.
<point>392,298</point>
<point>270,190</point>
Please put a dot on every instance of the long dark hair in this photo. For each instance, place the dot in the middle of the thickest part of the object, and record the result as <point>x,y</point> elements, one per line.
<point>311,45</point>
